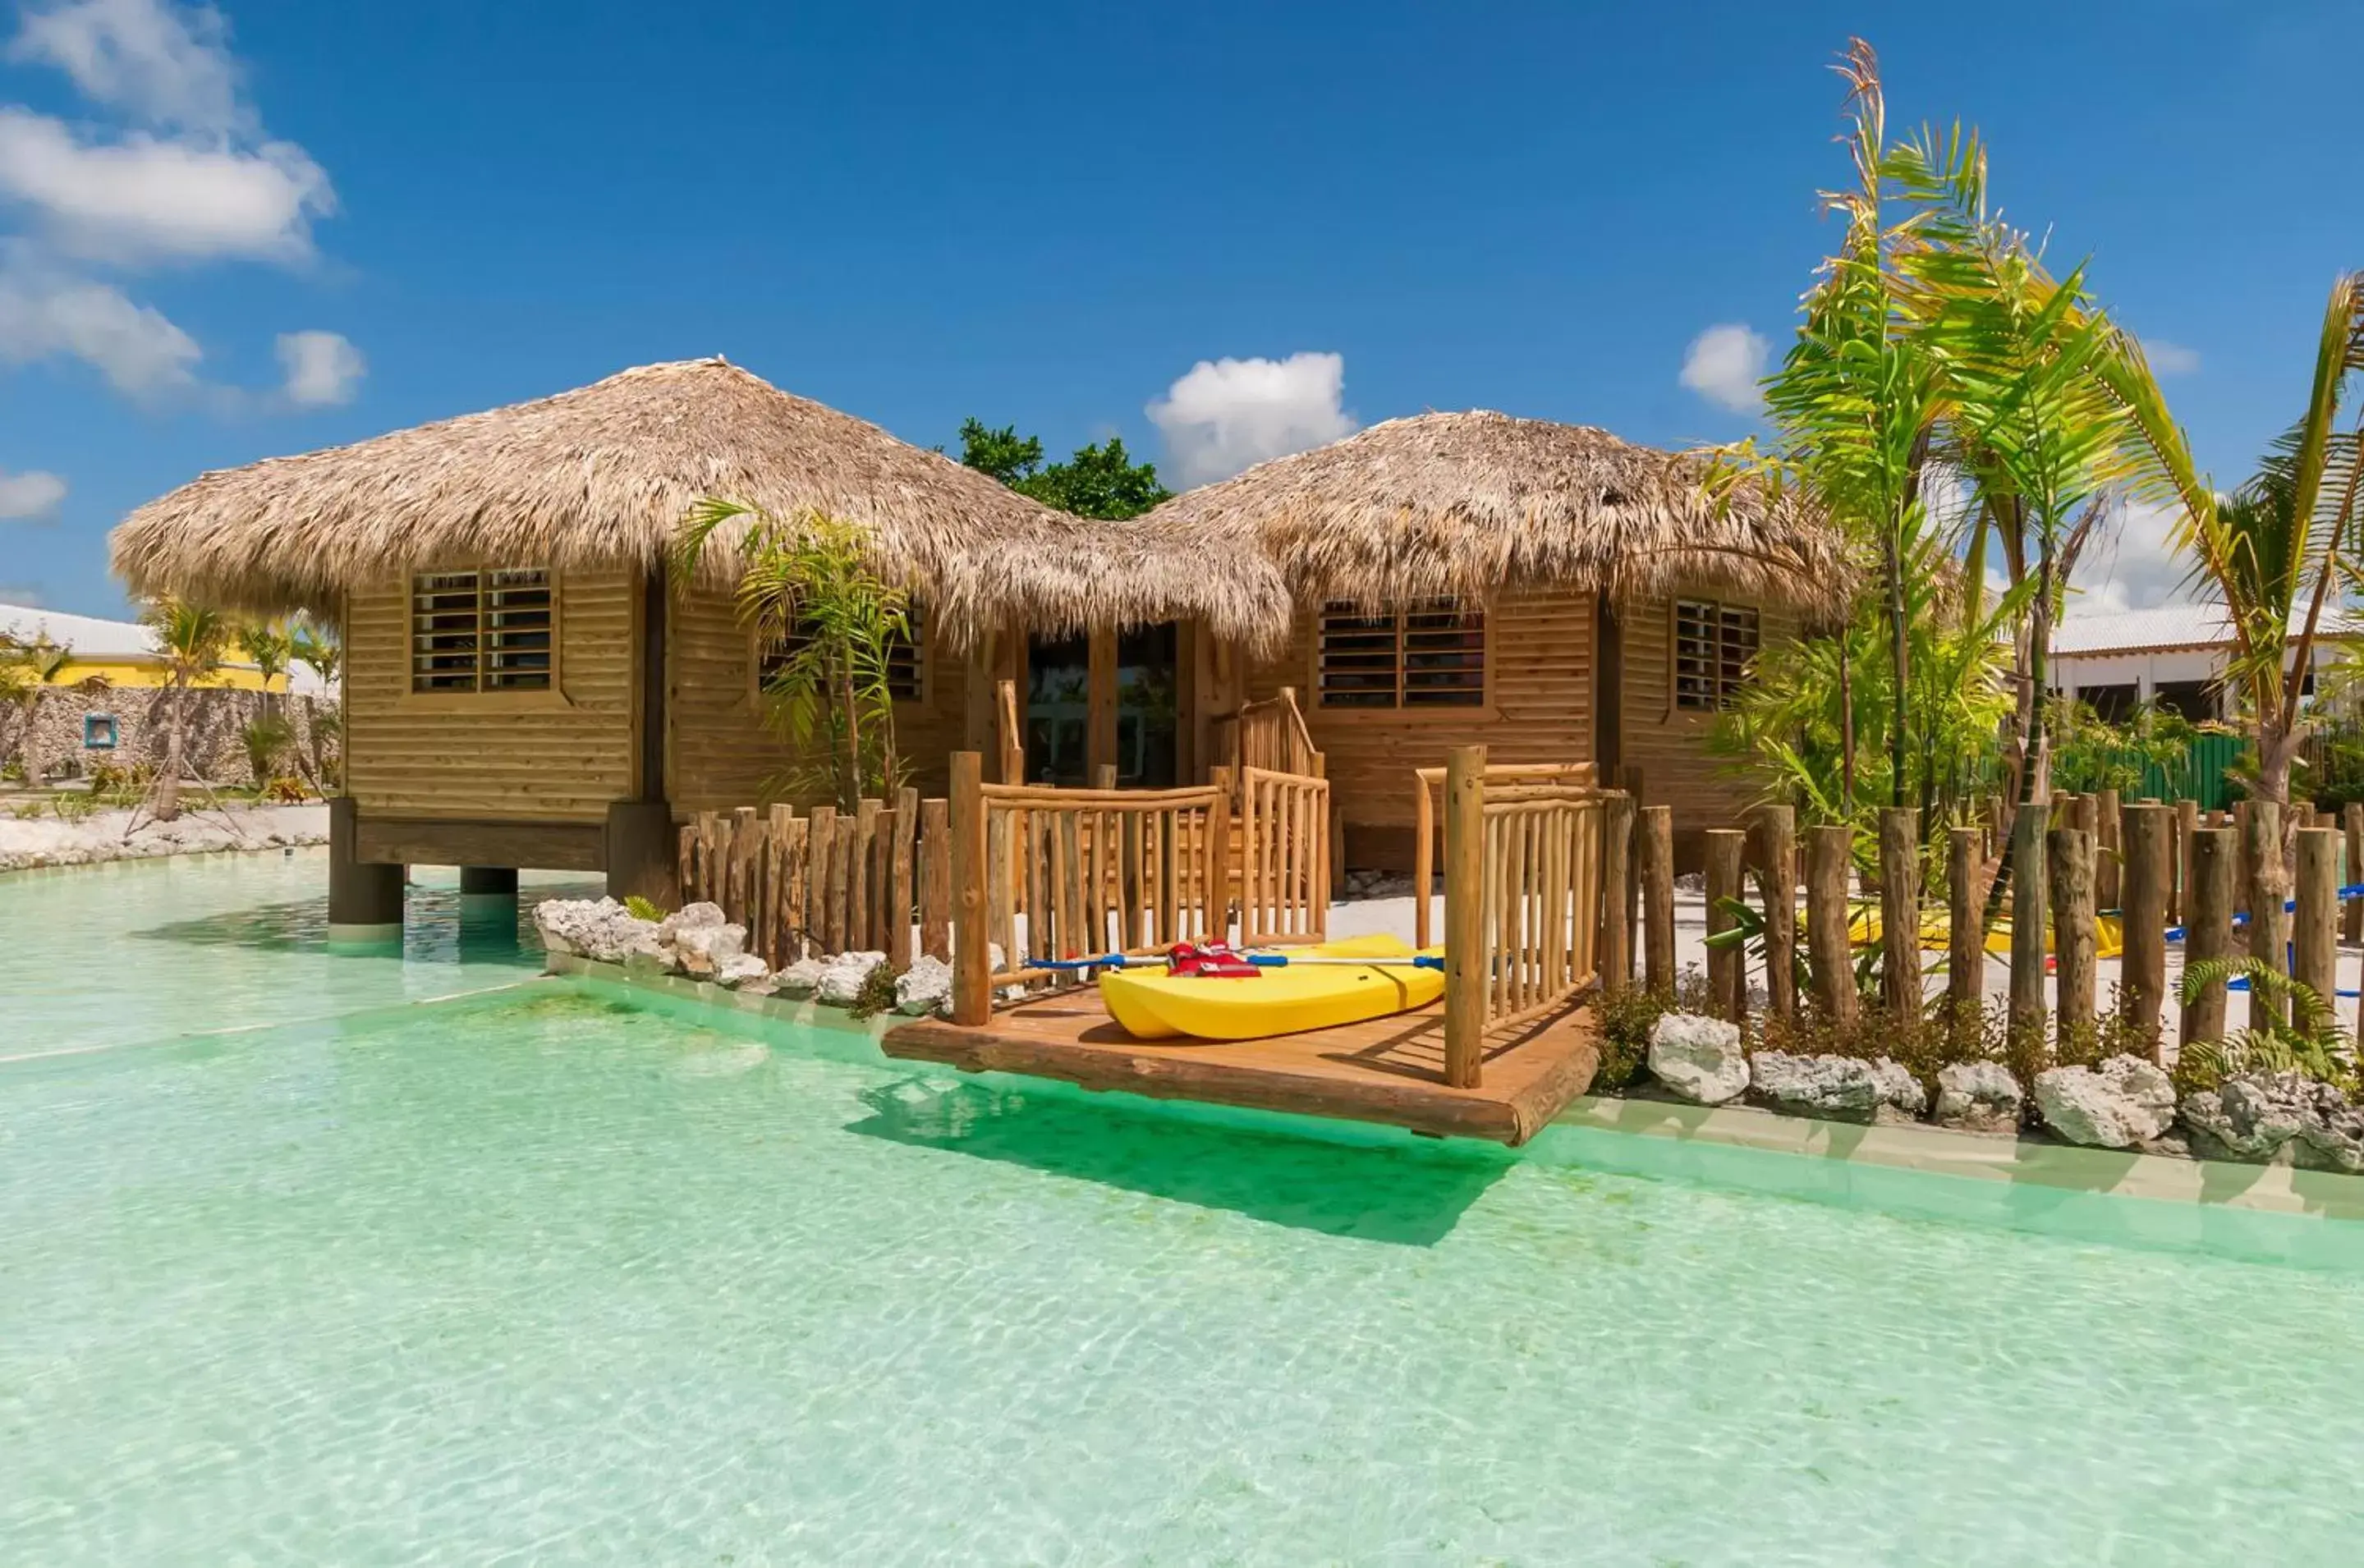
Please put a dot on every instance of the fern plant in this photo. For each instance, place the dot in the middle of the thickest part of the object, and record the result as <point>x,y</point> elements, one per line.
<point>640,909</point>
<point>2311,1041</point>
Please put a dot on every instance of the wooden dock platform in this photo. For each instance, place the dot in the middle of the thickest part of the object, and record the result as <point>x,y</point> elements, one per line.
<point>1387,1070</point>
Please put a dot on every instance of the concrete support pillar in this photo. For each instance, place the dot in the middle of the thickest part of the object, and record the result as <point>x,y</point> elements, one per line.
<point>642,853</point>
<point>365,901</point>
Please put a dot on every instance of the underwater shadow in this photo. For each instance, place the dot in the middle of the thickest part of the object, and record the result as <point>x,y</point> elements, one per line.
<point>437,928</point>
<point>1411,1197</point>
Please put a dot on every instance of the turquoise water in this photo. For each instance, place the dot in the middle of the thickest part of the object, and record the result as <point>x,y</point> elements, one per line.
<point>539,1276</point>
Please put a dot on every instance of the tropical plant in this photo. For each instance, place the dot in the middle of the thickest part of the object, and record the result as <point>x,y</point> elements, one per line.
<point>2090,754</point>
<point>640,908</point>
<point>192,639</point>
<point>27,669</point>
<point>809,588</point>
<point>2280,551</point>
<point>2296,1030</point>
<point>270,648</point>
<point>266,738</point>
<point>314,645</point>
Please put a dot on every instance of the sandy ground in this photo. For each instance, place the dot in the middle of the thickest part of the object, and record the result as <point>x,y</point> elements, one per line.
<point>107,835</point>
<point>1365,917</point>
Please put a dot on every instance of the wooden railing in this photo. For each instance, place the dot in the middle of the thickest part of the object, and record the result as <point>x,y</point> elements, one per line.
<point>1270,735</point>
<point>1066,873</point>
<point>1284,858</point>
<point>1523,897</point>
<point>1502,776</point>
<point>828,882</point>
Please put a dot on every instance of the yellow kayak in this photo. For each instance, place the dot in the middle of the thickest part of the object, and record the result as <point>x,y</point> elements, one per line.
<point>2108,933</point>
<point>1152,1004</point>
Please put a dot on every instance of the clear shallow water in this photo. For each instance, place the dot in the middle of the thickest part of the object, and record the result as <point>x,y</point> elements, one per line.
<point>541,1277</point>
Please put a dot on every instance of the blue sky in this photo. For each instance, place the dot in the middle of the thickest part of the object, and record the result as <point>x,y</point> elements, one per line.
<point>279,225</point>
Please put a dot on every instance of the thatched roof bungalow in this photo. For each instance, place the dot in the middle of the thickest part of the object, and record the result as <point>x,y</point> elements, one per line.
<point>1548,590</point>
<point>524,688</point>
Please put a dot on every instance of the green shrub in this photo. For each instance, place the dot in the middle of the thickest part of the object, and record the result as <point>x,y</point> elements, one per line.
<point>1626,1019</point>
<point>877,993</point>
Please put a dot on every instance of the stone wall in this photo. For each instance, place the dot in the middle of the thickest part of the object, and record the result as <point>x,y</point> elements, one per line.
<point>211,745</point>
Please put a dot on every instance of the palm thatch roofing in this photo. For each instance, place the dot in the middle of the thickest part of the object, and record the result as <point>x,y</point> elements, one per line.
<point>603,476</point>
<point>1459,505</point>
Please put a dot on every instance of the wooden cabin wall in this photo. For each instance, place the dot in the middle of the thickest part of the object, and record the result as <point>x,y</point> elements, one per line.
<point>720,753</point>
<point>1669,744</point>
<point>494,758</point>
<point>1538,709</point>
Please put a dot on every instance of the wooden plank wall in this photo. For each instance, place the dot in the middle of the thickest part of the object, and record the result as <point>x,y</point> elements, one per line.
<point>1539,650</point>
<point>720,753</point>
<point>1669,744</point>
<point>443,758</point>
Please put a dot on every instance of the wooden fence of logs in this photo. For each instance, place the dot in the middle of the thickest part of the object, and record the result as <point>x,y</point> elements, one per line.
<point>2225,884</point>
<point>830,881</point>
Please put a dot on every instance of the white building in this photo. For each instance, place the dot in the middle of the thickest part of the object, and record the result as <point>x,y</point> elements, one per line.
<point>2173,655</point>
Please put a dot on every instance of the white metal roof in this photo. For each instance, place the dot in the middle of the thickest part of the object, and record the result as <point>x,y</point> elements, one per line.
<point>2168,626</point>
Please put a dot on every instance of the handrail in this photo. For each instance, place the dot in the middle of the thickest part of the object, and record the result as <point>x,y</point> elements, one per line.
<point>1502,780</point>
<point>1284,857</point>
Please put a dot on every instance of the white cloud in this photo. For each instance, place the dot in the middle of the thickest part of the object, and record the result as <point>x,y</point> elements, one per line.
<point>2170,359</point>
<point>160,64</point>
<point>1724,365</point>
<point>1222,416</point>
<point>176,170</point>
<point>2134,567</point>
<point>32,493</point>
<point>45,314</point>
<point>148,198</point>
<point>323,369</point>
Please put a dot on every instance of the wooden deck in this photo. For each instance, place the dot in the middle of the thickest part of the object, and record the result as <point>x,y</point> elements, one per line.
<point>1389,1070</point>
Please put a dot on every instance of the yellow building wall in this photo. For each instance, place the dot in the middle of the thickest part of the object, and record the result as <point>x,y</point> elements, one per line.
<point>559,756</point>
<point>142,673</point>
<point>720,753</point>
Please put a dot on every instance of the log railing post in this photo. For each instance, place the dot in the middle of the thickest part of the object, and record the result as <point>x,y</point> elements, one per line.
<point>2351,920</point>
<point>1830,960</point>
<point>2268,922</point>
<point>1727,965</point>
<point>1965,947</point>
<point>2208,927</point>
<point>971,963</point>
<point>1777,864</point>
<point>2145,842</point>
<point>2109,851</point>
<point>2029,898</point>
<point>2314,933</point>
<point>1899,909</point>
<point>2075,934</point>
<point>1615,953</point>
<point>1465,965</point>
<point>1657,857</point>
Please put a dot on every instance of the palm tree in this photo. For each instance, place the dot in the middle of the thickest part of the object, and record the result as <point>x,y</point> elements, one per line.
<point>2279,550</point>
<point>314,645</point>
<point>269,646</point>
<point>192,640</point>
<point>808,586</point>
<point>26,670</point>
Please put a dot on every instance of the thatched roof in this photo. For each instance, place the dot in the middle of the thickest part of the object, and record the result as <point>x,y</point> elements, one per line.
<point>604,475</point>
<point>1458,506</point>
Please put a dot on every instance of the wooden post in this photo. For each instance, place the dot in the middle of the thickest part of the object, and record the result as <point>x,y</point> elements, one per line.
<point>899,874</point>
<point>1727,967</point>
<point>1615,955</point>
<point>1899,909</point>
<point>2075,933</point>
<point>2208,927</point>
<point>1966,948</point>
<point>1830,961</point>
<point>2315,929</point>
<point>1466,976</point>
<point>2028,915</point>
<point>1100,700</point>
<point>2245,874</point>
<point>861,917</point>
<point>2187,822</point>
<point>936,878</point>
<point>796,894</point>
<point>2351,922</point>
<point>821,853</point>
<point>1776,871</point>
<point>1657,855</point>
<point>2109,851</point>
<point>2144,838</point>
<point>2269,923</point>
<point>972,966</point>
